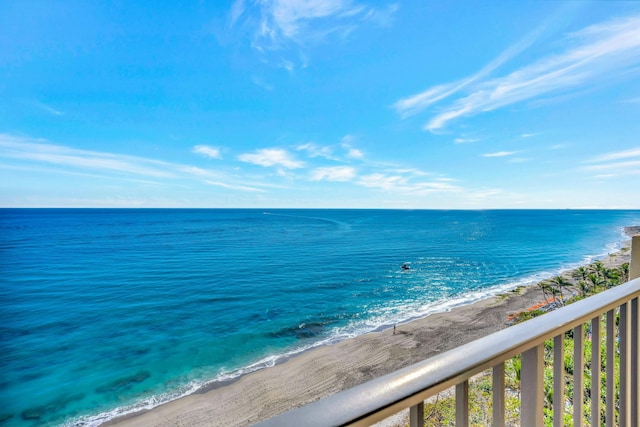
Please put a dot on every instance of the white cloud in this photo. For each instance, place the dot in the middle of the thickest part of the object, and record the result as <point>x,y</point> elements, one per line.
<point>635,164</point>
<point>41,152</point>
<point>596,54</point>
<point>626,162</point>
<point>335,173</point>
<point>235,187</point>
<point>465,140</point>
<point>49,109</point>
<point>500,154</point>
<point>402,184</point>
<point>237,9</point>
<point>34,153</point>
<point>271,157</point>
<point>382,17</point>
<point>631,153</point>
<point>283,24</point>
<point>208,151</point>
<point>262,83</point>
<point>378,180</point>
<point>416,103</point>
<point>352,153</point>
<point>315,150</point>
<point>196,171</point>
<point>414,172</point>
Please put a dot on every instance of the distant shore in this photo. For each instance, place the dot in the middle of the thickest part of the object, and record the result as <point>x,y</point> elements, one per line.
<point>327,370</point>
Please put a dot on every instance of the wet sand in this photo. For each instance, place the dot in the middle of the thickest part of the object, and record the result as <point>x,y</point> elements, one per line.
<point>327,370</point>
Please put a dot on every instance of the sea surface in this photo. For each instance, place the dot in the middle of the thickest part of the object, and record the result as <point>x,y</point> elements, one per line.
<point>108,311</point>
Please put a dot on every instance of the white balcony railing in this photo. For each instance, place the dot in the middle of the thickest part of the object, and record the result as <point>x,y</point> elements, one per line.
<point>382,397</point>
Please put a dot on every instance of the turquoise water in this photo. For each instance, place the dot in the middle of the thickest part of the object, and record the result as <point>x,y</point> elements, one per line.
<point>103,312</point>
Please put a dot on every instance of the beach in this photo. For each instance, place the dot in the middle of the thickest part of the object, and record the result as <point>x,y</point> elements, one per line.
<point>329,369</point>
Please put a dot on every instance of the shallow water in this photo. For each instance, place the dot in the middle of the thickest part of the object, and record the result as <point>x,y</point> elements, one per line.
<point>103,311</point>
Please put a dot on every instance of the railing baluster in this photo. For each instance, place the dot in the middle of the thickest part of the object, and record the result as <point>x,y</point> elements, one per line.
<point>462,404</point>
<point>558,381</point>
<point>595,371</point>
<point>578,375</point>
<point>634,402</point>
<point>625,421</point>
<point>611,357</point>
<point>416,415</point>
<point>498,395</point>
<point>532,387</point>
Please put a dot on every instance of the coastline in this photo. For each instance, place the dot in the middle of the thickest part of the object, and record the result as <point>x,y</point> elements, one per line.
<point>326,370</point>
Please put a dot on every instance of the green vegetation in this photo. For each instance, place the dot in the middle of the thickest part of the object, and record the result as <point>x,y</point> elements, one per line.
<point>584,281</point>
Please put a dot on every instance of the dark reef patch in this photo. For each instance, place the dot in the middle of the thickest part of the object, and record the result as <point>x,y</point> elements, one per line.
<point>123,383</point>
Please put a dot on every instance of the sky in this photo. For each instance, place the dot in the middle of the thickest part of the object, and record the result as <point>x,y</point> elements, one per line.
<point>320,104</point>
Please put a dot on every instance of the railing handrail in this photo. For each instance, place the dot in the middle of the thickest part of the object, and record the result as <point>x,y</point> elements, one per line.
<point>386,395</point>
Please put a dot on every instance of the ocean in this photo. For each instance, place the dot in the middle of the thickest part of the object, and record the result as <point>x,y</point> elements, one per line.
<point>108,311</point>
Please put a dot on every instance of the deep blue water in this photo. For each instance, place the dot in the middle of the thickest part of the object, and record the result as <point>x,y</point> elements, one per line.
<point>103,311</point>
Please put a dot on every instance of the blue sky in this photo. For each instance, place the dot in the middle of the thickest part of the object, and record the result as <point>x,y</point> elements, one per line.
<point>335,103</point>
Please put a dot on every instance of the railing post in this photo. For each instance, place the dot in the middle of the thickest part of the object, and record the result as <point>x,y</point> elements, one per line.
<point>462,404</point>
<point>578,376</point>
<point>596,366</point>
<point>611,357</point>
<point>498,395</point>
<point>625,358</point>
<point>634,402</point>
<point>532,387</point>
<point>634,273</point>
<point>416,415</point>
<point>558,381</point>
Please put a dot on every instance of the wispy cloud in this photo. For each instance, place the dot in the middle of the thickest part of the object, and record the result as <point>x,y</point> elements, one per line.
<point>205,150</point>
<point>235,187</point>
<point>626,154</point>
<point>337,152</point>
<point>314,150</point>
<point>620,162</point>
<point>596,54</point>
<point>49,109</point>
<point>333,173</point>
<point>296,24</point>
<point>403,184</point>
<point>500,154</point>
<point>271,157</point>
<point>465,140</point>
<point>632,164</point>
<point>40,155</point>
<point>39,151</point>
<point>351,151</point>
<point>416,103</point>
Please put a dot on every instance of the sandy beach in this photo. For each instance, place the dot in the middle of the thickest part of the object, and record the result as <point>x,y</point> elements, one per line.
<point>326,370</point>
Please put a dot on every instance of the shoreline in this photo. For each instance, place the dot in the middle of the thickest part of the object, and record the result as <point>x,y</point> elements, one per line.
<point>324,370</point>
